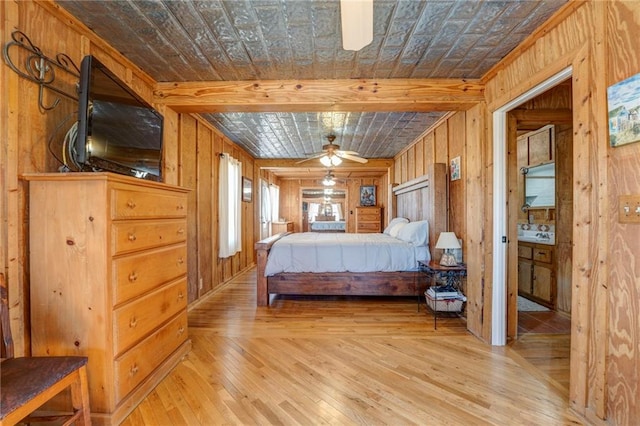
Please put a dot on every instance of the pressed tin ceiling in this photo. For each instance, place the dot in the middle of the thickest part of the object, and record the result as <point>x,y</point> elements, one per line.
<point>212,40</point>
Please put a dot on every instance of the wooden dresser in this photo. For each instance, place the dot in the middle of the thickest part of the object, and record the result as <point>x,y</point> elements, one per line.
<point>279,227</point>
<point>108,266</point>
<point>368,220</point>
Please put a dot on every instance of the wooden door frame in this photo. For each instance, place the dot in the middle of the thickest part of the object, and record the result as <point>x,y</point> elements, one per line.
<point>501,232</point>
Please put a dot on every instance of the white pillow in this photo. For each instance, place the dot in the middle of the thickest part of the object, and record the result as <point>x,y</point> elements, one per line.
<point>416,233</point>
<point>395,229</point>
<point>393,223</point>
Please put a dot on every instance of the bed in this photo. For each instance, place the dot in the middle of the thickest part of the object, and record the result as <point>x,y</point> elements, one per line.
<point>422,199</point>
<point>328,226</point>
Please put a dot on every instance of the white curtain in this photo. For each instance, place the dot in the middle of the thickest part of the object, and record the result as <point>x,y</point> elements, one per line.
<point>337,211</point>
<point>314,210</point>
<point>229,211</point>
<point>274,190</point>
<point>265,210</point>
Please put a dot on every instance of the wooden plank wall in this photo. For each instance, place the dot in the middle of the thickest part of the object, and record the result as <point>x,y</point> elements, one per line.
<point>200,146</point>
<point>456,135</point>
<point>623,61</point>
<point>599,40</point>
<point>27,133</point>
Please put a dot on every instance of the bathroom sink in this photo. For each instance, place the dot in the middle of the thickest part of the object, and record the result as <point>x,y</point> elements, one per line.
<point>537,237</point>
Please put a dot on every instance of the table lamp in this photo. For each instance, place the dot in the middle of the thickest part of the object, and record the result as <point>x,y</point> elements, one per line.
<point>448,241</point>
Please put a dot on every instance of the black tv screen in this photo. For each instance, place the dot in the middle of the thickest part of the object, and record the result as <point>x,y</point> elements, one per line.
<point>117,130</point>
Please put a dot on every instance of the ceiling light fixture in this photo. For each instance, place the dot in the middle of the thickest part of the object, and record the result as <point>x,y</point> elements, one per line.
<point>330,160</point>
<point>329,180</point>
<point>357,23</point>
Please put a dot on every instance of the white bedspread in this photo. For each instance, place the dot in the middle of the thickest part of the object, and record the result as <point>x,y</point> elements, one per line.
<point>337,252</point>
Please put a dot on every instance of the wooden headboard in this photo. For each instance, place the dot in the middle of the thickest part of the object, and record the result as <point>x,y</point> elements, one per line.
<point>425,198</point>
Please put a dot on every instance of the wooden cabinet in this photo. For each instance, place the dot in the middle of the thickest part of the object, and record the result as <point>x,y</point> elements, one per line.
<point>536,275</point>
<point>279,227</point>
<point>537,146</point>
<point>368,219</point>
<point>108,266</point>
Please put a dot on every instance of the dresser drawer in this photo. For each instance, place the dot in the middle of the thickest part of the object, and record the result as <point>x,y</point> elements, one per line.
<point>136,235</point>
<point>542,254</point>
<point>129,204</point>
<point>525,252</point>
<point>136,319</point>
<point>369,217</point>
<point>136,364</point>
<point>368,227</point>
<point>138,273</point>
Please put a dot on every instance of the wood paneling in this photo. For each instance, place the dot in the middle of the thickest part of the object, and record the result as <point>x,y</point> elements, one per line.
<point>456,132</point>
<point>473,239</point>
<point>206,236</point>
<point>622,60</point>
<point>187,178</point>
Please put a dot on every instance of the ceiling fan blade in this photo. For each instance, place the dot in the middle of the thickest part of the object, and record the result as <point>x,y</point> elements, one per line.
<point>353,158</point>
<point>312,157</point>
<point>357,23</point>
<point>341,152</point>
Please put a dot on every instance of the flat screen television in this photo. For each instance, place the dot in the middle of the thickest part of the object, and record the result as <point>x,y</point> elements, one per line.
<point>117,130</point>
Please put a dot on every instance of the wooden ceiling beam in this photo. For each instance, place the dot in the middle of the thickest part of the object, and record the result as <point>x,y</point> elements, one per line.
<point>415,95</point>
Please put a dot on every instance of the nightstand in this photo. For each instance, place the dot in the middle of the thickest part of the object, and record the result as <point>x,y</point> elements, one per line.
<point>445,288</point>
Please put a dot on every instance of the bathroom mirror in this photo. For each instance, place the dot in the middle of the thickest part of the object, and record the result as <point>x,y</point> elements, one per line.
<point>539,186</point>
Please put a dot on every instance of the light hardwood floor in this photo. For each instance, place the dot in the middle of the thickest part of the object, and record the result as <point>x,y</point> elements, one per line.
<point>343,361</point>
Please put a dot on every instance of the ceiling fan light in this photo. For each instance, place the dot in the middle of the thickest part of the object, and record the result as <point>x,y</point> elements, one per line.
<point>328,182</point>
<point>335,160</point>
<point>326,161</point>
<point>357,23</point>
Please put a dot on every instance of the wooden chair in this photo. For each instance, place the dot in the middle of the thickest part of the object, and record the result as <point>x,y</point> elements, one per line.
<point>27,383</point>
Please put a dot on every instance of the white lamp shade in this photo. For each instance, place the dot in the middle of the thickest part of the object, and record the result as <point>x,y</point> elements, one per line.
<point>448,240</point>
<point>326,161</point>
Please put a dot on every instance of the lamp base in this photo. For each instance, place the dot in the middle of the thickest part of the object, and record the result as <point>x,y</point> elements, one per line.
<point>448,259</point>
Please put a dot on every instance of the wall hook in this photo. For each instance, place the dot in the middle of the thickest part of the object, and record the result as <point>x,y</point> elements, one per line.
<point>40,69</point>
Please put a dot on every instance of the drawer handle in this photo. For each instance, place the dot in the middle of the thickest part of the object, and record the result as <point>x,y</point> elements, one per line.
<point>180,231</point>
<point>542,253</point>
<point>180,296</point>
<point>133,277</point>
<point>131,204</point>
<point>180,207</point>
<point>180,261</point>
<point>180,330</point>
<point>133,322</point>
<point>132,237</point>
<point>133,370</point>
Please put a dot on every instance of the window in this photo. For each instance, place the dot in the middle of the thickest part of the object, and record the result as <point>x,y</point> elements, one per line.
<point>229,211</point>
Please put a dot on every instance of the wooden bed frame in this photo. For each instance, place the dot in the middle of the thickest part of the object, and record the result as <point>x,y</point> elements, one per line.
<point>419,199</point>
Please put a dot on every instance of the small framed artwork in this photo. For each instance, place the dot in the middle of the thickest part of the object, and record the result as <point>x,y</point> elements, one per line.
<point>247,189</point>
<point>368,195</point>
<point>623,101</point>
<point>455,168</point>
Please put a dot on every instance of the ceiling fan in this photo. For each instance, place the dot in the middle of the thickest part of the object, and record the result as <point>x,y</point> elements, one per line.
<point>357,23</point>
<point>330,179</point>
<point>332,155</point>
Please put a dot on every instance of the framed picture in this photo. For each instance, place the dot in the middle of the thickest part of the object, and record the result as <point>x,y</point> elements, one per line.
<point>368,195</point>
<point>247,189</point>
<point>455,168</point>
<point>623,101</point>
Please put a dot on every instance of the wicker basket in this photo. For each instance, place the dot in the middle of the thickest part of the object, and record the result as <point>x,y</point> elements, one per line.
<point>444,304</point>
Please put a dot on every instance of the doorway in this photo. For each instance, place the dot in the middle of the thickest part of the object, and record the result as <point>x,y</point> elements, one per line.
<point>501,229</point>
<point>542,116</point>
